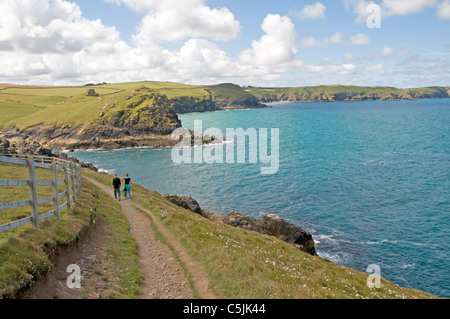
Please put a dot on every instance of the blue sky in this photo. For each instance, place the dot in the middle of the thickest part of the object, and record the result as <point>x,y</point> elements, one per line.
<point>248,42</point>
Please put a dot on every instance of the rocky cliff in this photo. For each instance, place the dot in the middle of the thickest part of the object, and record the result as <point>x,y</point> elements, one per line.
<point>336,93</point>
<point>226,96</point>
<point>269,224</point>
<point>134,118</point>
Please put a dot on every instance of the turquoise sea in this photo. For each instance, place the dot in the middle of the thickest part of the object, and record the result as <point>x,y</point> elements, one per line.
<point>369,180</point>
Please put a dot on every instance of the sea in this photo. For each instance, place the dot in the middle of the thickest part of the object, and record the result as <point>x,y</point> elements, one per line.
<point>369,180</point>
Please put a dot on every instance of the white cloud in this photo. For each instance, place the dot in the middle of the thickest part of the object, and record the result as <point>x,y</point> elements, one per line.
<point>315,11</point>
<point>201,59</point>
<point>149,5</point>
<point>42,26</point>
<point>344,69</point>
<point>174,20</point>
<point>349,57</point>
<point>444,10</point>
<point>387,51</point>
<point>311,42</point>
<point>401,7</point>
<point>335,38</point>
<point>359,8</point>
<point>389,8</point>
<point>375,69</point>
<point>360,39</point>
<point>276,46</point>
<point>50,41</point>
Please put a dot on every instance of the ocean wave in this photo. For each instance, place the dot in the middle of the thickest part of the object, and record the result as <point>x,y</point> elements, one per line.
<point>389,241</point>
<point>408,266</point>
<point>320,239</point>
<point>337,258</point>
<point>108,171</point>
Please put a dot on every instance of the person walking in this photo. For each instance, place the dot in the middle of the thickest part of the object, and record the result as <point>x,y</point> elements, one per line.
<point>116,183</point>
<point>127,186</point>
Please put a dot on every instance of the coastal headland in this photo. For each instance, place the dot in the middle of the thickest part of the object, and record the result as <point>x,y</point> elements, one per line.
<point>111,116</point>
<point>271,257</point>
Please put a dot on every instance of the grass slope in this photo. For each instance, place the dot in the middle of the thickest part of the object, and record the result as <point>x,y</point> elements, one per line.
<point>25,106</point>
<point>25,252</point>
<point>243,264</point>
<point>239,263</point>
<point>33,107</point>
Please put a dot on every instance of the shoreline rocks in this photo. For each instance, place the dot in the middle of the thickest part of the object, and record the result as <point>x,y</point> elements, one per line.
<point>29,146</point>
<point>269,224</point>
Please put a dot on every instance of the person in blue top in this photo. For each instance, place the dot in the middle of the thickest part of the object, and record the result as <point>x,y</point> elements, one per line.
<point>127,187</point>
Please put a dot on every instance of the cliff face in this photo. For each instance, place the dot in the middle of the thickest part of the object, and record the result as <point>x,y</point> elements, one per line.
<point>140,117</point>
<point>189,104</point>
<point>429,93</point>
<point>225,96</point>
<point>346,93</point>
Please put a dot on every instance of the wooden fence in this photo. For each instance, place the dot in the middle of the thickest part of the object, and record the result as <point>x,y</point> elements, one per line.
<point>72,175</point>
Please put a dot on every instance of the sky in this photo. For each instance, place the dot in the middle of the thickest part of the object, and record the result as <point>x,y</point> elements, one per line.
<point>401,43</point>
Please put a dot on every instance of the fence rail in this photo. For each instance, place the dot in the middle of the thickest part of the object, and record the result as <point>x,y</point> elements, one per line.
<point>72,180</point>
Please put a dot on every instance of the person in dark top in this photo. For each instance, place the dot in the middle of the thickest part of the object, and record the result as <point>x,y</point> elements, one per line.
<point>127,187</point>
<point>116,184</point>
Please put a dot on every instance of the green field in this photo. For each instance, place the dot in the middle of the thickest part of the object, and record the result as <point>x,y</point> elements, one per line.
<point>24,106</point>
<point>27,106</point>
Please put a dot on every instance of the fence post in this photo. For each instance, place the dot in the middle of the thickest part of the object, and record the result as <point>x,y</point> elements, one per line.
<point>80,179</point>
<point>66,181</point>
<point>55,190</point>
<point>72,178</point>
<point>33,195</point>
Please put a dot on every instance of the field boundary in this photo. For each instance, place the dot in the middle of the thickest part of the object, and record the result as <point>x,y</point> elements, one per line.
<point>72,175</point>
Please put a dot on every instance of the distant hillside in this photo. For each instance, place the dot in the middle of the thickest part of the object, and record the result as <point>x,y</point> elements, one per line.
<point>145,113</point>
<point>332,93</point>
<point>116,118</point>
<point>216,97</point>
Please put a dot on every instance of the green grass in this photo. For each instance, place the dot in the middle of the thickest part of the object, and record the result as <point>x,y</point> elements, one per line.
<point>78,110</point>
<point>25,106</point>
<point>21,193</point>
<point>24,252</point>
<point>243,264</point>
<point>24,257</point>
<point>50,91</point>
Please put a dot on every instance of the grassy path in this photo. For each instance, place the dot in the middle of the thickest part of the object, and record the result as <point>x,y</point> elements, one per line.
<point>161,266</point>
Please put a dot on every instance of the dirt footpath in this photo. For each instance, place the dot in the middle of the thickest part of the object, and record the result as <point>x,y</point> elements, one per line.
<point>96,269</point>
<point>163,277</point>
